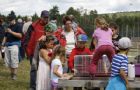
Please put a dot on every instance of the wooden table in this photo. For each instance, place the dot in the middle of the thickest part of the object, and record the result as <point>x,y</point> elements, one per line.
<point>96,82</point>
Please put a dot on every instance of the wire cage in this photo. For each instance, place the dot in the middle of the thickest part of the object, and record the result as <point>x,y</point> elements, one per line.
<point>82,62</point>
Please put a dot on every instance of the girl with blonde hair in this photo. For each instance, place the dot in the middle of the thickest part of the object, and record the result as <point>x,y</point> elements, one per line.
<point>102,41</point>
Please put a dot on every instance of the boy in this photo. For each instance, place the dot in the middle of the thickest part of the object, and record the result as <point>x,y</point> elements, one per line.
<point>80,49</point>
<point>119,68</point>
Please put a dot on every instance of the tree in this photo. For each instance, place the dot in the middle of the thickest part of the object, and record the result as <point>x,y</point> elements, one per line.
<point>93,15</point>
<point>54,12</point>
<point>72,11</point>
<point>12,13</point>
<point>35,17</point>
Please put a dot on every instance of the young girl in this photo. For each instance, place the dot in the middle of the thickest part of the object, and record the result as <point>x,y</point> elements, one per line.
<point>43,73</point>
<point>118,80</point>
<point>102,41</point>
<point>56,66</point>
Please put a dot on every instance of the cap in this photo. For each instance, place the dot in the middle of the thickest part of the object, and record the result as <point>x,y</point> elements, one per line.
<point>19,20</point>
<point>82,37</point>
<point>29,18</point>
<point>50,27</point>
<point>44,13</point>
<point>124,43</point>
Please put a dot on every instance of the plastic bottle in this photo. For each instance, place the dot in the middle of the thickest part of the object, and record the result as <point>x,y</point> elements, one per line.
<point>106,63</point>
<point>131,71</point>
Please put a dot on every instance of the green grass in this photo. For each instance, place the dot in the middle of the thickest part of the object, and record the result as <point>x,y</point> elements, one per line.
<point>22,82</point>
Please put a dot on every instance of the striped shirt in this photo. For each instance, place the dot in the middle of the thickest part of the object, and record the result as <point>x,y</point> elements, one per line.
<point>119,62</point>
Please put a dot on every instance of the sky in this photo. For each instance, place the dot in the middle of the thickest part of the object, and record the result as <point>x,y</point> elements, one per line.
<point>29,7</point>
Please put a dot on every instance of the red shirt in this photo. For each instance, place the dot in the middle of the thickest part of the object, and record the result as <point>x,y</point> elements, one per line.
<point>77,51</point>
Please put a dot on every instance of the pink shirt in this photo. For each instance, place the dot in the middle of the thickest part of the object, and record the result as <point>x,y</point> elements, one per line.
<point>103,37</point>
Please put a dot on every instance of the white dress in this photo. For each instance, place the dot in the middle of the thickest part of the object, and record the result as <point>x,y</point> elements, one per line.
<point>43,75</point>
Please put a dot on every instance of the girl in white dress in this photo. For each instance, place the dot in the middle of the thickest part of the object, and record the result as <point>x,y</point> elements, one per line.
<point>43,73</point>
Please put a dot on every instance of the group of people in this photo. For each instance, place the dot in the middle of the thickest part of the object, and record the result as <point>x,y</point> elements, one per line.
<point>51,50</point>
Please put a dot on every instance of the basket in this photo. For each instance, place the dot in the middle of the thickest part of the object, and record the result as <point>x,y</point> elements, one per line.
<point>81,64</point>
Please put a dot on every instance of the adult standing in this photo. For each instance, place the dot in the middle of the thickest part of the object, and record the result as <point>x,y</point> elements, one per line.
<point>27,24</point>
<point>34,32</point>
<point>13,34</point>
<point>2,32</point>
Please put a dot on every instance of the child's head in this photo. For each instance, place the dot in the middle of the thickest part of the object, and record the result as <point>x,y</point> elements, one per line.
<point>81,40</point>
<point>101,23</point>
<point>124,44</point>
<point>48,43</point>
<point>49,29</point>
<point>60,51</point>
<point>114,28</point>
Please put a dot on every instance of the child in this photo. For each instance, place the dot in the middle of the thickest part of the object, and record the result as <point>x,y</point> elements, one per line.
<point>80,49</point>
<point>56,66</point>
<point>43,73</point>
<point>49,30</point>
<point>118,80</point>
<point>103,43</point>
<point>115,36</point>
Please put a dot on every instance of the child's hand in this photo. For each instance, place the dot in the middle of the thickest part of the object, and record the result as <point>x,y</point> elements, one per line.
<point>65,75</point>
<point>42,38</point>
<point>74,70</point>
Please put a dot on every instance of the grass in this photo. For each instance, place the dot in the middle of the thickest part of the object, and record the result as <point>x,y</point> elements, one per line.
<point>22,82</point>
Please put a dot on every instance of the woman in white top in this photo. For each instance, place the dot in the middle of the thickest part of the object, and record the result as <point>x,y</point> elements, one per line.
<point>43,73</point>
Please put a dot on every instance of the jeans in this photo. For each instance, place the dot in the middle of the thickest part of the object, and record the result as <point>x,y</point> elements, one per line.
<point>33,74</point>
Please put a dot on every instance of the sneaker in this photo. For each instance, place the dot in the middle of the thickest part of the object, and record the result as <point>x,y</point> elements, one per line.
<point>14,77</point>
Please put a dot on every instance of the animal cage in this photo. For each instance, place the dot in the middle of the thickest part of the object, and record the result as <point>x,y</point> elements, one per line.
<point>82,62</point>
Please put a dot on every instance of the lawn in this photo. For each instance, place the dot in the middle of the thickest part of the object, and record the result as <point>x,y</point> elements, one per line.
<point>22,82</point>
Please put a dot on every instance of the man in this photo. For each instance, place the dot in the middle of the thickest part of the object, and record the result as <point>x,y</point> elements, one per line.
<point>35,31</point>
<point>13,34</point>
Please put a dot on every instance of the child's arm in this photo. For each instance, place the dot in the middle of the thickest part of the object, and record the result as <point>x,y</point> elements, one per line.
<point>44,55</point>
<point>123,75</point>
<point>55,71</point>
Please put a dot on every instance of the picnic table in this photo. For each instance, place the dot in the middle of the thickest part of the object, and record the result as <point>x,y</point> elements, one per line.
<point>87,82</point>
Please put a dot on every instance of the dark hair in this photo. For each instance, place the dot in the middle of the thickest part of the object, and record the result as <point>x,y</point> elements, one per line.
<point>113,25</point>
<point>42,44</point>
<point>92,46</point>
<point>65,19</point>
<point>59,51</point>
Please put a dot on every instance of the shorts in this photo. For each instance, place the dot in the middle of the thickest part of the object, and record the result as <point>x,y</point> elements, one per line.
<point>12,56</point>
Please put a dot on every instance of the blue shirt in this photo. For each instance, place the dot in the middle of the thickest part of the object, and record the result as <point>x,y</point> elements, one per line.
<point>11,38</point>
<point>119,62</point>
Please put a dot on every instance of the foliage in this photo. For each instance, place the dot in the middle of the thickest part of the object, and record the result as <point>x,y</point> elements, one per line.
<point>128,22</point>
<point>54,12</point>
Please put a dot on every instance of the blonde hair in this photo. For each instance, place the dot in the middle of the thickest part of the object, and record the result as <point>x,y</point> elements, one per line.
<point>59,51</point>
<point>102,23</point>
